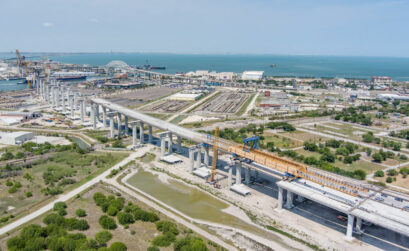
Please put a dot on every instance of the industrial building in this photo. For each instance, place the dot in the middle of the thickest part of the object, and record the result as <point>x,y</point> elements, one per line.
<point>15,138</point>
<point>252,75</point>
<point>185,96</point>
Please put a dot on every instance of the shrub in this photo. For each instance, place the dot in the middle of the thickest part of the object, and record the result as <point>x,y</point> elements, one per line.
<point>13,189</point>
<point>153,248</point>
<point>80,212</point>
<point>9,183</point>
<point>360,174</point>
<point>125,218</point>
<point>404,170</point>
<point>379,174</point>
<point>392,172</point>
<point>81,225</point>
<point>167,227</point>
<point>133,232</point>
<point>118,246</point>
<point>102,237</point>
<point>54,219</point>
<point>107,222</point>
<point>29,194</point>
<point>164,240</point>
<point>59,205</point>
<point>377,157</point>
<point>389,180</point>
<point>190,243</point>
<point>112,211</point>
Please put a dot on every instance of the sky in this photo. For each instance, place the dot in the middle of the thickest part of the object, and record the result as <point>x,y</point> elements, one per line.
<point>287,27</point>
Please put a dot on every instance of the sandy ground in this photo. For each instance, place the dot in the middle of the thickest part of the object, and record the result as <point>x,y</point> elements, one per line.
<point>52,140</point>
<point>264,207</point>
<point>197,118</point>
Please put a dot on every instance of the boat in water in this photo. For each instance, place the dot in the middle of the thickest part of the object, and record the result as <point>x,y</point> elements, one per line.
<point>273,65</point>
<point>71,78</point>
<point>147,66</point>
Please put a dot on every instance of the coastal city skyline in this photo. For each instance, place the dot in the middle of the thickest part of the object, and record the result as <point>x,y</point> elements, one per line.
<point>333,28</point>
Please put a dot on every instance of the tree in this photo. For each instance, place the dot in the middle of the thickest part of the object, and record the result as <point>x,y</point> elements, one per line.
<point>379,173</point>
<point>80,212</point>
<point>107,222</point>
<point>404,171</point>
<point>125,218</point>
<point>392,172</point>
<point>377,157</point>
<point>153,248</point>
<point>118,246</point>
<point>102,237</point>
<point>360,174</point>
<point>167,227</point>
<point>389,180</point>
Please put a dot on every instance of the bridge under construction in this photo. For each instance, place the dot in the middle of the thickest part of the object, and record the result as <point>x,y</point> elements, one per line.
<point>359,200</point>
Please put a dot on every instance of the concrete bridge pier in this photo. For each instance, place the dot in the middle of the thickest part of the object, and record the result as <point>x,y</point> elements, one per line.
<point>111,125</point>
<point>94,116</point>
<point>150,134</point>
<point>280,198</point>
<point>230,178</point>
<point>126,126</point>
<point>64,108</point>
<point>119,124</point>
<point>350,227</point>
<point>72,106</point>
<point>134,132</point>
<point>53,96</point>
<point>358,226</point>
<point>198,158</point>
<point>170,143</point>
<point>97,111</point>
<point>179,144</point>
<point>57,97</point>
<point>162,144</point>
<point>290,196</point>
<point>247,176</point>
<point>238,174</point>
<point>104,116</point>
<point>206,156</point>
<point>191,158</point>
<point>300,199</point>
<point>82,110</point>
<point>141,132</point>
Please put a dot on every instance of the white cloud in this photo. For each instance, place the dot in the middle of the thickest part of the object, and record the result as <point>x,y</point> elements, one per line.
<point>94,20</point>
<point>48,24</point>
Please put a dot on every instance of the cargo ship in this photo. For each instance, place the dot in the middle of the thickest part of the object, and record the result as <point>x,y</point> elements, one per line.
<point>147,66</point>
<point>71,78</point>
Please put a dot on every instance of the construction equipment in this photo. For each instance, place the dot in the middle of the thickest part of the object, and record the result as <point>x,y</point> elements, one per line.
<point>24,70</point>
<point>215,153</point>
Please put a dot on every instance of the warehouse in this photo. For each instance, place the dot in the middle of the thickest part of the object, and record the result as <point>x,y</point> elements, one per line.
<point>185,96</point>
<point>15,138</point>
<point>252,75</point>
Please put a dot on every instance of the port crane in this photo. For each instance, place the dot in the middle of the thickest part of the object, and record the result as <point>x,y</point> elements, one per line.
<point>23,66</point>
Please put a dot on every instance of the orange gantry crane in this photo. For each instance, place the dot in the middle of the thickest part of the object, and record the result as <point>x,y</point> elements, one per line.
<point>292,169</point>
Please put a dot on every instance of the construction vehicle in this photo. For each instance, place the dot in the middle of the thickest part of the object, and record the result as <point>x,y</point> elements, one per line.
<point>24,69</point>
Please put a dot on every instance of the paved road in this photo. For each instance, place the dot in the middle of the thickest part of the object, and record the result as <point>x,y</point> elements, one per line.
<point>70,194</point>
<point>251,105</point>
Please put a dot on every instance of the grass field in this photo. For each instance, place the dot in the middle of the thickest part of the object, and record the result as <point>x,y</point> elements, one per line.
<point>137,236</point>
<point>70,167</point>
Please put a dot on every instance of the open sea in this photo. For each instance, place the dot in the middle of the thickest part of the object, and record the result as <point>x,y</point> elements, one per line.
<point>297,66</point>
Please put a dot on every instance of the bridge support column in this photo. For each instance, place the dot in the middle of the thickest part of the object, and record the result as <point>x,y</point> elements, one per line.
<point>53,97</point>
<point>111,125</point>
<point>97,111</point>
<point>191,159</point>
<point>247,177</point>
<point>280,198</point>
<point>57,97</point>
<point>230,179</point>
<point>206,156</point>
<point>82,110</point>
<point>141,132</point>
<point>94,116</point>
<point>72,106</point>
<point>238,174</point>
<point>350,227</point>
<point>134,132</point>
<point>64,109</point>
<point>162,144</point>
<point>300,198</point>
<point>170,143</point>
<point>119,125</point>
<point>198,158</point>
<point>126,126</point>
<point>290,196</point>
<point>150,134</point>
<point>179,144</point>
<point>358,227</point>
<point>104,116</point>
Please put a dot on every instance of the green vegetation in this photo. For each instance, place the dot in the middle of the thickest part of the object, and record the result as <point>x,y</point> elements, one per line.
<point>281,125</point>
<point>107,222</point>
<point>355,115</point>
<point>102,237</point>
<point>379,173</point>
<point>80,212</point>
